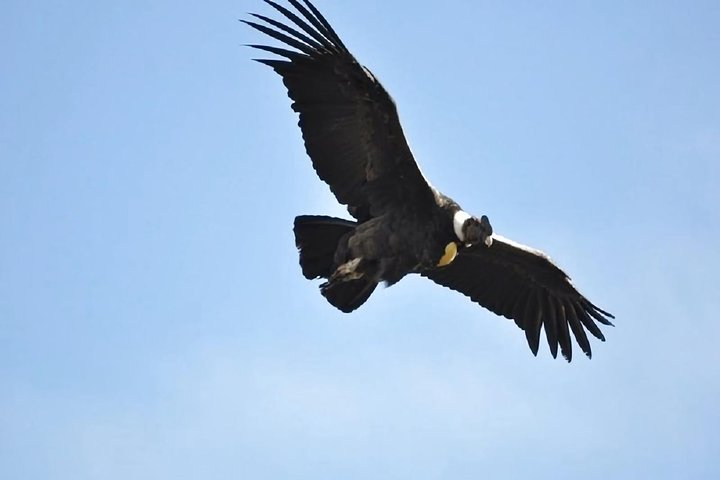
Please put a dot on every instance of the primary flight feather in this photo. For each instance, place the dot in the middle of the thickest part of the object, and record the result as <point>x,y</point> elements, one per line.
<point>402,224</point>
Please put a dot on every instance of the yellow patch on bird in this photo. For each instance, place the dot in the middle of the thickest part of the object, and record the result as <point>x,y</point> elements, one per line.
<point>449,255</point>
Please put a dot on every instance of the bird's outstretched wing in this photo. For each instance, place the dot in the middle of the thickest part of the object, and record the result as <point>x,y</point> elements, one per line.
<point>523,284</point>
<point>349,122</point>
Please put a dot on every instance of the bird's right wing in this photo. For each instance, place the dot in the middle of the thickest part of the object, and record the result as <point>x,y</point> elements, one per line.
<point>349,122</point>
<point>523,284</point>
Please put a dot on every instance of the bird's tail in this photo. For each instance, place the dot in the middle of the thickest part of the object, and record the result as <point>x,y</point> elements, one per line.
<point>317,238</point>
<point>347,295</point>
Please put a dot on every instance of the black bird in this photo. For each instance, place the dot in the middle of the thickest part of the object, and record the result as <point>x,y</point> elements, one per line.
<point>402,224</point>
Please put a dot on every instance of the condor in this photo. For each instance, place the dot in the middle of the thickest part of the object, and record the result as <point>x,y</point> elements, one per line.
<point>402,224</point>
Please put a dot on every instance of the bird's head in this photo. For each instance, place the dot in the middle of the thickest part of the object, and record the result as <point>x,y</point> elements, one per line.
<point>471,230</point>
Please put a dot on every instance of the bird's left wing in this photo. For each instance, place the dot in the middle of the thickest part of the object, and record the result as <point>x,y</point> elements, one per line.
<point>349,122</point>
<point>523,284</point>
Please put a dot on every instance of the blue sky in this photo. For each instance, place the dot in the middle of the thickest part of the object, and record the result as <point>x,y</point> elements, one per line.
<point>154,322</point>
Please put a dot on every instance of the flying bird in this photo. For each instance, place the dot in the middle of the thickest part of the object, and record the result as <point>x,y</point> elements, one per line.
<point>402,224</point>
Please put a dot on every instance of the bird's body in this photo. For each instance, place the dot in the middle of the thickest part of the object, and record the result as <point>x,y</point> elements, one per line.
<point>401,223</point>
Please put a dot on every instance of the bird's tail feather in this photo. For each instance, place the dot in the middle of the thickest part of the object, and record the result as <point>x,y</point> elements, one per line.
<point>317,239</point>
<point>348,295</point>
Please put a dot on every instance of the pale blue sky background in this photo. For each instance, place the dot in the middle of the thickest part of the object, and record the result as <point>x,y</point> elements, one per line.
<point>154,322</point>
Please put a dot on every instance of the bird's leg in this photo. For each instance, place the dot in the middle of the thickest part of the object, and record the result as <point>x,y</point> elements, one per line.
<point>346,272</point>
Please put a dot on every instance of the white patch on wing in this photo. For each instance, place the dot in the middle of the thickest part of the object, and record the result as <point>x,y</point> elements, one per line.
<point>369,73</point>
<point>459,220</point>
<point>520,246</point>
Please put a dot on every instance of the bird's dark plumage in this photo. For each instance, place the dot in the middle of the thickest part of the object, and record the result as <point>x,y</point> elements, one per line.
<point>523,284</point>
<point>402,225</point>
<point>349,122</point>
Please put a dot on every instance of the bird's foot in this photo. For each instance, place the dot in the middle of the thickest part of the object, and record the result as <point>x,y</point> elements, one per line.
<point>346,272</point>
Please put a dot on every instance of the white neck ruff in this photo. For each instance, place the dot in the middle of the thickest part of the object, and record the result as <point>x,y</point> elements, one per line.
<point>459,220</point>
